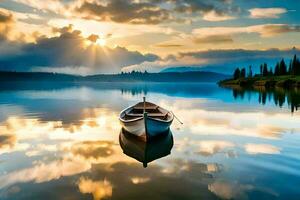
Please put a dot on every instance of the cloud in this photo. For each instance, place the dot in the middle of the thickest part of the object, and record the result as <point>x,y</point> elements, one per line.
<point>211,10</point>
<point>6,22</point>
<point>218,60</point>
<point>5,17</point>
<point>230,190</point>
<point>213,39</point>
<point>62,30</point>
<point>211,147</point>
<point>21,26</point>
<point>93,38</point>
<point>190,6</point>
<point>257,13</point>
<point>140,180</point>
<point>226,60</point>
<point>261,149</point>
<point>93,149</point>
<point>238,55</point>
<point>169,45</point>
<point>125,11</point>
<point>264,30</point>
<point>70,51</point>
<point>45,172</point>
<point>169,61</point>
<point>155,11</point>
<point>213,16</point>
<point>99,189</point>
<point>135,12</point>
<point>47,6</point>
<point>277,29</point>
<point>7,141</point>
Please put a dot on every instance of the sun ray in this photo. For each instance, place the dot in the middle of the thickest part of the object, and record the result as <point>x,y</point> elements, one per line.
<point>101,42</point>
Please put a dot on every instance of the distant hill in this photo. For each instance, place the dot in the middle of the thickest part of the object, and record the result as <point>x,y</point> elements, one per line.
<point>181,69</point>
<point>123,77</point>
<point>212,68</point>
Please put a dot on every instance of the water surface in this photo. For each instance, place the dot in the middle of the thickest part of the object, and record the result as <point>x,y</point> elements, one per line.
<point>62,142</point>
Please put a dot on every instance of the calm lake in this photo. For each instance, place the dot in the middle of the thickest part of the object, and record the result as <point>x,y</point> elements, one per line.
<point>62,141</point>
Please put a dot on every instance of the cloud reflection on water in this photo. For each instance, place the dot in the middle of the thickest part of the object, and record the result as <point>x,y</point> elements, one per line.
<point>99,189</point>
<point>88,151</point>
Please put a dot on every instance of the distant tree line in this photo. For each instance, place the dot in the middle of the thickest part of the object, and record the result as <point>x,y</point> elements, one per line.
<point>134,76</point>
<point>280,69</point>
<point>134,73</point>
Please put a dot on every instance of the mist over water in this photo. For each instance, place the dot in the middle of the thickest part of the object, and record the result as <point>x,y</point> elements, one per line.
<point>62,141</point>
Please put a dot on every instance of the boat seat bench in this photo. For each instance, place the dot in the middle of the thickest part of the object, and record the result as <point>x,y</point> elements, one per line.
<point>147,107</point>
<point>149,114</point>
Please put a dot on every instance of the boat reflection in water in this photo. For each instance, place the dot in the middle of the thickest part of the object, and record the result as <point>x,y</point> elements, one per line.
<point>148,151</point>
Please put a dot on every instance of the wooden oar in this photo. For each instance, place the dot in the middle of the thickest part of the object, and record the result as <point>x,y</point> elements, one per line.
<point>144,100</point>
<point>177,118</point>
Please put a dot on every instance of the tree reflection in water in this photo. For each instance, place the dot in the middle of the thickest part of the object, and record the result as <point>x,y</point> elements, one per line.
<point>279,96</point>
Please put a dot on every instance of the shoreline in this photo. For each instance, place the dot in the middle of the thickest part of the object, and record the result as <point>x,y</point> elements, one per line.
<point>268,82</point>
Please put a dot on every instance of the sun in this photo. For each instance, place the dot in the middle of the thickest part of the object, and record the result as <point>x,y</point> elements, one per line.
<point>101,42</point>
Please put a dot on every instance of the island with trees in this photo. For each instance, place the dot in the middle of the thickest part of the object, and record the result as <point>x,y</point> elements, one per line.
<point>133,76</point>
<point>281,75</point>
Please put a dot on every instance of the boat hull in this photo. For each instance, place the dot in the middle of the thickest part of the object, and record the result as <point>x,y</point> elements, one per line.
<point>136,128</point>
<point>155,128</point>
<point>146,127</point>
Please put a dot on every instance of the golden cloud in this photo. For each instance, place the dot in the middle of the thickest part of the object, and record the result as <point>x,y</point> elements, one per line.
<point>227,190</point>
<point>257,13</point>
<point>93,149</point>
<point>99,189</point>
<point>261,149</point>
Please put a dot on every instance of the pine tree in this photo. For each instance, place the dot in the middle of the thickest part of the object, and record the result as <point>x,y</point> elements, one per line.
<point>261,69</point>
<point>236,74</point>
<point>265,69</point>
<point>243,73</point>
<point>282,68</point>
<point>294,63</point>
<point>297,66</point>
<point>290,68</point>
<point>277,71</point>
<point>270,73</point>
<point>250,74</point>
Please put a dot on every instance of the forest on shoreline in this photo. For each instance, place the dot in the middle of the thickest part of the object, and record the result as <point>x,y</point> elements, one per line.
<point>133,76</point>
<point>281,75</point>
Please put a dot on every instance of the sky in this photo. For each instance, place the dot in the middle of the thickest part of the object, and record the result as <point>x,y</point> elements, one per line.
<point>110,36</point>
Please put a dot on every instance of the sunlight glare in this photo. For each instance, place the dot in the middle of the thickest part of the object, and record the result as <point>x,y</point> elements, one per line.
<point>101,42</point>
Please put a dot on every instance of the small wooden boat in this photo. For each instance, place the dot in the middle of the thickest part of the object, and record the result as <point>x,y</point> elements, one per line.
<point>146,120</point>
<point>146,152</point>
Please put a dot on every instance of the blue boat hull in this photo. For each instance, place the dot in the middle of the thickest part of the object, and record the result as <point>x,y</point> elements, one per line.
<point>155,128</point>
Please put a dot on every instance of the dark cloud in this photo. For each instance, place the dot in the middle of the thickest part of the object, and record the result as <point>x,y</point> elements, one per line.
<point>275,29</point>
<point>213,39</point>
<point>70,49</point>
<point>65,29</point>
<point>93,38</point>
<point>192,6</point>
<point>6,21</point>
<point>152,11</point>
<point>7,141</point>
<point>169,45</point>
<point>5,18</point>
<point>239,54</point>
<point>125,11</point>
